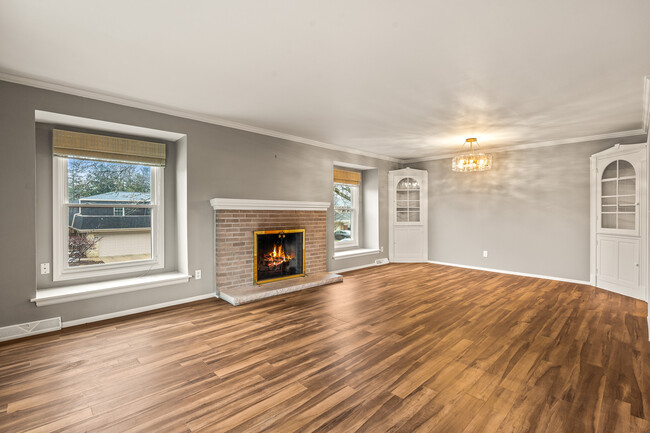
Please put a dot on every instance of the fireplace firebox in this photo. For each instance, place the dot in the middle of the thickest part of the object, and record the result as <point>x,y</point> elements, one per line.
<point>278,254</point>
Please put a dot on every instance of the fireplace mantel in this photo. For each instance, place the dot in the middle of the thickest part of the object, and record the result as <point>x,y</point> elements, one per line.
<point>247,204</point>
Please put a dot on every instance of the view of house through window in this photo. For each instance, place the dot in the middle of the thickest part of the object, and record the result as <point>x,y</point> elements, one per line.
<point>109,212</point>
<point>346,207</point>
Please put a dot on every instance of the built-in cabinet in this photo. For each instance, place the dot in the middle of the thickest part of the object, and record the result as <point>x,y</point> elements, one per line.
<point>618,220</point>
<point>408,215</point>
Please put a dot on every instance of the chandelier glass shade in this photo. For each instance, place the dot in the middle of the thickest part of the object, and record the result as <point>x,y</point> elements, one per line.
<point>472,159</point>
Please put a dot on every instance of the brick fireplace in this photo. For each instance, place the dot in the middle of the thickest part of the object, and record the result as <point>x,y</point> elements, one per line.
<point>236,221</point>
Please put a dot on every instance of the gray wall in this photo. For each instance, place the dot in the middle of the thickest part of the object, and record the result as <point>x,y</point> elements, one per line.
<point>530,212</point>
<point>221,162</point>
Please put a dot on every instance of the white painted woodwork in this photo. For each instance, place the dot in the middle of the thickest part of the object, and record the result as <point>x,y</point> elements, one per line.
<point>247,204</point>
<point>408,224</point>
<point>618,220</point>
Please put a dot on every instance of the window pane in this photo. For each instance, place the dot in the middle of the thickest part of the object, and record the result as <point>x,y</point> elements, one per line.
<point>626,221</point>
<point>342,225</point>
<point>98,181</point>
<point>625,169</point>
<point>342,195</point>
<point>609,187</point>
<point>626,187</point>
<point>608,221</point>
<point>98,235</point>
<point>610,171</point>
<point>408,183</point>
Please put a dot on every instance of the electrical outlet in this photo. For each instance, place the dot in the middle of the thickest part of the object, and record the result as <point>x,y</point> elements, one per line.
<point>485,253</point>
<point>381,249</point>
<point>197,274</point>
<point>45,268</point>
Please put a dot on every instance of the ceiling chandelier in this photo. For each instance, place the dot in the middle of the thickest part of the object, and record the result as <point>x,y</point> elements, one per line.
<point>472,160</point>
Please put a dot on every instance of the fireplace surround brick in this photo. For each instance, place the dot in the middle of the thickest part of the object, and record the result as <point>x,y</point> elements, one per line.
<point>234,241</point>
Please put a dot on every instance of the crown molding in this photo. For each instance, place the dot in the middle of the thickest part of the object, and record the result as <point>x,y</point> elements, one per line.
<point>105,97</point>
<point>621,134</point>
<point>646,103</point>
<point>62,88</point>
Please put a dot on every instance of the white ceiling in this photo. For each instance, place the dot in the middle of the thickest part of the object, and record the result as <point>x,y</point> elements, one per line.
<point>401,79</point>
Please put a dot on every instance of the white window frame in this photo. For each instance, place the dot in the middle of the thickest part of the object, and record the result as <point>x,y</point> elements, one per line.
<point>60,269</point>
<point>354,209</point>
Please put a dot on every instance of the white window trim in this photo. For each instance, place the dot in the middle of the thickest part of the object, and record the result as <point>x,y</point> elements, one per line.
<point>354,242</point>
<point>60,270</point>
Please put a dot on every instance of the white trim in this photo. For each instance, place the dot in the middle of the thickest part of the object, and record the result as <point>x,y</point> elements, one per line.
<point>78,292</point>
<point>521,274</point>
<point>341,255</point>
<point>60,270</point>
<point>131,311</point>
<point>354,268</point>
<point>245,204</point>
<point>646,103</point>
<point>41,84</point>
<point>354,166</point>
<point>622,134</point>
<point>101,125</point>
<point>29,329</point>
<point>119,100</point>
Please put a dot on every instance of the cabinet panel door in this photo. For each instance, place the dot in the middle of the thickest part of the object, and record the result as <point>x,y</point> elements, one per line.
<point>618,265</point>
<point>628,262</point>
<point>608,259</point>
<point>408,243</point>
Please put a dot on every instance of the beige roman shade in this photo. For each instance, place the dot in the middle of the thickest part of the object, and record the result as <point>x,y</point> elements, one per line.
<point>105,148</point>
<point>347,176</point>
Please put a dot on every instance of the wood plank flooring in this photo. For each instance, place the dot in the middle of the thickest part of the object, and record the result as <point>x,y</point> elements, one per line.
<point>401,348</point>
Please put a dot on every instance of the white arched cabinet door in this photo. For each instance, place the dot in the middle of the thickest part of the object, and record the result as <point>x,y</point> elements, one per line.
<point>408,215</point>
<point>619,231</point>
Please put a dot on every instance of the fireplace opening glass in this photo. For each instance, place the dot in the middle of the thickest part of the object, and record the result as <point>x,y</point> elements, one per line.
<point>278,254</point>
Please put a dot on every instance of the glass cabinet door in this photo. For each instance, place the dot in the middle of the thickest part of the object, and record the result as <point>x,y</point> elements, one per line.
<point>407,201</point>
<point>618,197</point>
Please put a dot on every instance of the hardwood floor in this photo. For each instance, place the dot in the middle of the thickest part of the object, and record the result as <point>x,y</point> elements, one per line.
<point>405,348</point>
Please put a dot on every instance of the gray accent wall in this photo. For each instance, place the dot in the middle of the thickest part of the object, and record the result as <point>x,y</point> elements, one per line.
<point>221,162</point>
<point>530,212</point>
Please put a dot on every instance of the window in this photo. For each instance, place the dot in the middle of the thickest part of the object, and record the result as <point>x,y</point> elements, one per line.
<point>108,213</point>
<point>346,208</point>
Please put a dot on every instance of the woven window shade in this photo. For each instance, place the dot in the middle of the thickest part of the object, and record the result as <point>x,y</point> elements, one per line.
<point>347,176</point>
<point>104,148</point>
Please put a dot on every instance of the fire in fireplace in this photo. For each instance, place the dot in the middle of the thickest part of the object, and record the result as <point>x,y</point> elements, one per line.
<point>278,254</point>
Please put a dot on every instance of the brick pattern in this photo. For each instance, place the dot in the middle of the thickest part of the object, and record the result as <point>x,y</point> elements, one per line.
<point>234,241</point>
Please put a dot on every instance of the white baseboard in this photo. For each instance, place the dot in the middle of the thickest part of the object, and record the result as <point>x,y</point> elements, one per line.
<point>521,274</point>
<point>76,322</point>
<point>359,267</point>
<point>21,330</point>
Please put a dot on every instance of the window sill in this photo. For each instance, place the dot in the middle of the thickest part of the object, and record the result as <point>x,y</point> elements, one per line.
<point>339,255</point>
<point>78,292</point>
